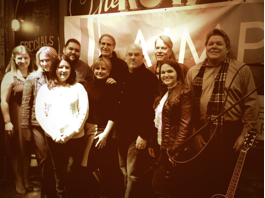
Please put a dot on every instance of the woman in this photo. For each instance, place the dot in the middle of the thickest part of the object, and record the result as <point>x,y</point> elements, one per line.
<point>20,66</point>
<point>173,108</point>
<point>62,109</point>
<point>102,99</point>
<point>31,129</point>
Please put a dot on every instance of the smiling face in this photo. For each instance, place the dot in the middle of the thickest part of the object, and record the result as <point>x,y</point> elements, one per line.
<point>72,50</point>
<point>63,71</point>
<point>216,49</point>
<point>162,52</point>
<point>106,47</point>
<point>22,60</point>
<point>168,75</point>
<point>101,71</point>
<point>45,61</point>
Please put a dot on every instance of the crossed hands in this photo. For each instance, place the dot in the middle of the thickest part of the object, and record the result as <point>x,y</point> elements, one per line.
<point>61,138</point>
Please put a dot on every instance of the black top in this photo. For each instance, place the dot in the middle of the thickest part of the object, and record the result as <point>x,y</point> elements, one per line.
<point>119,67</point>
<point>102,101</point>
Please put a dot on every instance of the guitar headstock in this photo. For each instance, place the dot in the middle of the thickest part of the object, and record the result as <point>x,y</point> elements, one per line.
<point>250,139</point>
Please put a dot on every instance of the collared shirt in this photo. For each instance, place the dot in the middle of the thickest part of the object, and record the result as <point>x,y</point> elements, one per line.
<point>247,110</point>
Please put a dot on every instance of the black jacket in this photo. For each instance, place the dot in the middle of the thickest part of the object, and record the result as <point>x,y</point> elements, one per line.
<point>176,117</point>
<point>135,114</point>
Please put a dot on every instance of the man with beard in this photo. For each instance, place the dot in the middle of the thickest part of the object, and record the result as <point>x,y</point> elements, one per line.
<point>82,69</point>
<point>107,45</point>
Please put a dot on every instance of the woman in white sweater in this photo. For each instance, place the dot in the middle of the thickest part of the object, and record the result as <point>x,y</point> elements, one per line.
<point>61,110</point>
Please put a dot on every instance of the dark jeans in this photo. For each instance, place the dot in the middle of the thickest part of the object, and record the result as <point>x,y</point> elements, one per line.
<point>162,180</point>
<point>133,163</point>
<point>210,172</point>
<point>67,180</point>
<point>42,148</point>
<point>44,161</point>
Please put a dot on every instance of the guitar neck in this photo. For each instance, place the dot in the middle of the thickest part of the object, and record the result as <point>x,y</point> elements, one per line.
<point>236,174</point>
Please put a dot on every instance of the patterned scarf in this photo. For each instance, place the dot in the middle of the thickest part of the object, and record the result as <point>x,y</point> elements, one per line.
<point>217,98</point>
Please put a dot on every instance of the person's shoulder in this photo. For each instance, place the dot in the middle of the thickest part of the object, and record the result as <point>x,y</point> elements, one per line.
<point>186,90</point>
<point>8,78</point>
<point>34,75</point>
<point>195,67</point>
<point>81,63</point>
<point>9,75</point>
<point>237,64</point>
<point>43,88</point>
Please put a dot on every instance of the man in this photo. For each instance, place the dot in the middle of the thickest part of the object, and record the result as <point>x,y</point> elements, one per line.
<point>107,45</point>
<point>135,122</point>
<point>163,51</point>
<point>210,81</point>
<point>82,69</point>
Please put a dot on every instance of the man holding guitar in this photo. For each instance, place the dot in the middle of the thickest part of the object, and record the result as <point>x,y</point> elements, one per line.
<point>218,83</point>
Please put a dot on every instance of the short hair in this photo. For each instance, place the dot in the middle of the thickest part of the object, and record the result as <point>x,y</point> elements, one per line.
<point>221,33</point>
<point>53,81</point>
<point>166,39</point>
<point>107,35</point>
<point>137,46</point>
<point>12,66</point>
<point>72,40</point>
<point>102,61</point>
<point>50,51</point>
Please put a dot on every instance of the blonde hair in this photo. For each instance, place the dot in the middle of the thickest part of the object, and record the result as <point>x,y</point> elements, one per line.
<point>102,61</point>
<point>50,51</point>
<point>12,66</point>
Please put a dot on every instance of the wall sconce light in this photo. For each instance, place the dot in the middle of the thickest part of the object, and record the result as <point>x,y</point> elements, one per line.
<point>15,25</point>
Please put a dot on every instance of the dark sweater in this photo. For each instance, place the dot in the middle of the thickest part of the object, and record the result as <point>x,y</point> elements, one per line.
<point>102,101</point>
<point>119,67</point>
<point>135,114</point>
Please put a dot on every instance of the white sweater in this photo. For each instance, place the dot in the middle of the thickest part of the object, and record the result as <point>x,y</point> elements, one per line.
<point>62,110</point>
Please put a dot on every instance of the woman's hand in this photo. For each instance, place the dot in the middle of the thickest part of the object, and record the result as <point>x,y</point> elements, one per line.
<point>102,140</point>
<point>61,139</point>
<point>10,129</point>
<point>151,151</point>
<point>111,81</point>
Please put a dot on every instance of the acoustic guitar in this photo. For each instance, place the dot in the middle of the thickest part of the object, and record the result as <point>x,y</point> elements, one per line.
<point>249,140</point>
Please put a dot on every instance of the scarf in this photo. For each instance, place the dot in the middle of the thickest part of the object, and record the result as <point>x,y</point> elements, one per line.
<point>216,101</point>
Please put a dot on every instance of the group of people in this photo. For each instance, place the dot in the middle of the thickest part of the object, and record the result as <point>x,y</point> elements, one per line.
<point>70,112</point>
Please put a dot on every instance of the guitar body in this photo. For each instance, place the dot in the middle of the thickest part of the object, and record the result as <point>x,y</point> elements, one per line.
<point>218,196</point>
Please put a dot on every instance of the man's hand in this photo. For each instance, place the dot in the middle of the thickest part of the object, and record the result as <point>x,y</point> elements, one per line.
<point>140,143</point>
<point>239,143</point>
<point>199,142</point>
<point>111,81</point>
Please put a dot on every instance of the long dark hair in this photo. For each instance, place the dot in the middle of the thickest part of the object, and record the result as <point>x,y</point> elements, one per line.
<point>54,82</point>
<point>163,88</point>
